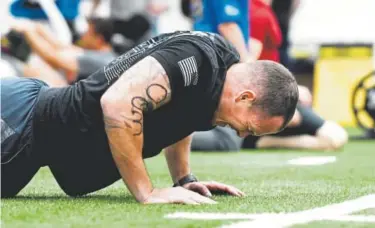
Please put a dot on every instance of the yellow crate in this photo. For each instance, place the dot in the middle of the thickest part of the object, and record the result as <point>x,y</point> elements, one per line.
<point>337,71</point>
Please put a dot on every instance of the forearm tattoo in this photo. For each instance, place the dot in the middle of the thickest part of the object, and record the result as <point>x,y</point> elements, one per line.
<point>150,89</point>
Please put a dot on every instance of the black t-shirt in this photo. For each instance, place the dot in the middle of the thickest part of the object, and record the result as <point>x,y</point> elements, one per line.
<point>69,120</point>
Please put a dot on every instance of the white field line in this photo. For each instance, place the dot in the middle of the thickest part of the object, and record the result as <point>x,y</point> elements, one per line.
<point>277,221</point>
<point>307,161</point>
<point>333,212</point>
<point>217,216</point>
<point>353,218</point>
<point>315,214</point>
<point>239,216</point>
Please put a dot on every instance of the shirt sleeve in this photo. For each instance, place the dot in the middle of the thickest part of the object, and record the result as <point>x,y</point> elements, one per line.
<point>183,63</point>
<point>258,23</point>
<point>227,11</point>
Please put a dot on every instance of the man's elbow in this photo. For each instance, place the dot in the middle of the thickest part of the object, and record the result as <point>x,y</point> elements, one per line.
<point>334,135</point>
<point>111,107</point>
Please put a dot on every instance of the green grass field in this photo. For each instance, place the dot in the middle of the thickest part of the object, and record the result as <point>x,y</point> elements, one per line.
<point>271,185</point>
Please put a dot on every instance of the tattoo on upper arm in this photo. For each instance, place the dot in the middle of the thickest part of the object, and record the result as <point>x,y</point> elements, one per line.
<point>148,87</point>
<point>145,104</point>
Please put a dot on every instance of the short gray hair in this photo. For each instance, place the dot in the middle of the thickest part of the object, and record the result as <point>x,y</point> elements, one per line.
<point>278,89</point>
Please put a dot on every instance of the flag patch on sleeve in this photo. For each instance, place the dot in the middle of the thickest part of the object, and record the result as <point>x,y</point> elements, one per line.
<point>189,69</point>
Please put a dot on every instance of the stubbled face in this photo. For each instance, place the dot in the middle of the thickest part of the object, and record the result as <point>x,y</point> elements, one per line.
<point>247,120</point>
<point>237,109</point>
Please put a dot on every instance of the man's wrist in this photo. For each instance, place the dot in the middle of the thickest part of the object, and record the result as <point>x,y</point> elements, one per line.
<point>145,198</point>
<point>186,179</point>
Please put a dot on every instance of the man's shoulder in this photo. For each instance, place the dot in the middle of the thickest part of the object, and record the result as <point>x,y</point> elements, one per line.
<point>207,43</point>
<point>183,35</point>
<point>215,45</point>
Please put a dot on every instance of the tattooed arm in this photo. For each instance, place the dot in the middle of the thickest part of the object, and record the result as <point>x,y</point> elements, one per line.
<point>142,88</point>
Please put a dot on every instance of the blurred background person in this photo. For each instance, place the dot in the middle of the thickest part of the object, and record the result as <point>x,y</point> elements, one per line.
<point>284,10</point>
<point>15,55</point>
<point>228,18</point>
<point>133,19</point>
<point>265,33</point>
<point>74,62</point>
<point>60,15</point>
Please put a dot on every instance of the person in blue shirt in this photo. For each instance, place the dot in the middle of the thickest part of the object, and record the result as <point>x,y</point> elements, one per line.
<point>228,18</point>
<point>32,9</point>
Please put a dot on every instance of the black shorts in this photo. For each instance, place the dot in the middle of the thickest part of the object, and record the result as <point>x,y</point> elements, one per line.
<point>18,163</point>
<point>310,124</point>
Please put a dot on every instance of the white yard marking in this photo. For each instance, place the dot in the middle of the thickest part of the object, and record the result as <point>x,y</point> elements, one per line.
<point>217,216</point>
<point>354,218</point>
<point>304,161</point>
<point>235,216</point>
<point>333,212</point>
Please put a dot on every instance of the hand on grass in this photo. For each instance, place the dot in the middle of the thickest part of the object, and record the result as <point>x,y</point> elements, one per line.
<point>212,187</point>
<point>176,195</point>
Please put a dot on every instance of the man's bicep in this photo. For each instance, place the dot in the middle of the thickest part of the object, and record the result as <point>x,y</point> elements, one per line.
<point>146,81</point>
<point>142,88</point>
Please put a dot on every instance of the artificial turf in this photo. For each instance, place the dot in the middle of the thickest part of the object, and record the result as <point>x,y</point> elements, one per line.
<point>270,183</point>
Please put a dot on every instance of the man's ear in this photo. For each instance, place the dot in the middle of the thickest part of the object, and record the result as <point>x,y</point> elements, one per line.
<point>248,96</point>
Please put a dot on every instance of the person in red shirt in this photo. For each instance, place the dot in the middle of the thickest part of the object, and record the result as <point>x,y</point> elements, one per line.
<point>266,36</point>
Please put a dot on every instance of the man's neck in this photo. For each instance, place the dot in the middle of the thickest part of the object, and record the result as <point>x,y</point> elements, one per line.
<point>224,102</point>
